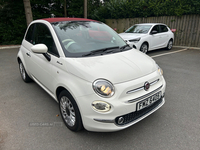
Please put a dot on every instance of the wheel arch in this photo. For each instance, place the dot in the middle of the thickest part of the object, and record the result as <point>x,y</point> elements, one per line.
<point>18,60</point>
<point>20,57</point>
<point>62,88</point>
<point>172,40</point>
<point>146,43</point>
<point>58,91</point>
<point>75,86</point>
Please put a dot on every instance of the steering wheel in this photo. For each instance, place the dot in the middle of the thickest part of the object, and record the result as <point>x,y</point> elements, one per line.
<point>70,42</point>
<point>67,40</point>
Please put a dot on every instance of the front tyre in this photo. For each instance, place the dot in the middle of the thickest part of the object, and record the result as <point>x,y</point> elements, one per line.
<point>144,48</point>
<point>170,44</point>
<point>23,73</point>
<point>70,112</point>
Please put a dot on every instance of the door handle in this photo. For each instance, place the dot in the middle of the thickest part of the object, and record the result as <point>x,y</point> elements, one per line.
<point>28,54</point>
<point>59,63</point>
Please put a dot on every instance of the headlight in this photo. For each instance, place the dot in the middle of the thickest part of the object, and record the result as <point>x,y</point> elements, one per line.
<point>160,71</point>
<point>103,88</point>
<point>135,40</point>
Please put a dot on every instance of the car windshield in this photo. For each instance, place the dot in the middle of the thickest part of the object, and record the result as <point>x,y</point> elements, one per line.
<point>138,29</point>
<point>78,38</point>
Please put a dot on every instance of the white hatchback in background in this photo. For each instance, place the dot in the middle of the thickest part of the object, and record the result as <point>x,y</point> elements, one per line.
<point>100,83</point>
<point>149,36</point>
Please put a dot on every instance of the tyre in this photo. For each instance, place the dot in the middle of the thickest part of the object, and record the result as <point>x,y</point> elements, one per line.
<point>170,44</point>
<point>70,112</point>
<point>24,75</point>
<point>144,48</point>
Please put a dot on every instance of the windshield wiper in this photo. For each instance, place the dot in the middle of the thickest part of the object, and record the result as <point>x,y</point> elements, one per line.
<point>100,51</point>
<point>125,46</point>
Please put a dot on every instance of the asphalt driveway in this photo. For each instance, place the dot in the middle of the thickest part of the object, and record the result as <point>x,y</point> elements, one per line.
<point>30,119</point>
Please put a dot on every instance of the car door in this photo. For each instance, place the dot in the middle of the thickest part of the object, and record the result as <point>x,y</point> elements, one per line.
<point>164,36</point>
<point>27,43</point>
<point>42,70</point>
<point>155,38</point>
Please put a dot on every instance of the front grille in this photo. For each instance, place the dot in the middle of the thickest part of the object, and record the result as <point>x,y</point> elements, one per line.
<point>146,95</point>
<point>128,118</point>
<point>141,88</point>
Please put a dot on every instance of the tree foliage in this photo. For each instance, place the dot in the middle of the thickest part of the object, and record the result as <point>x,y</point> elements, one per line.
<point>115,9</point>
<point>44,8</point>
<point>13,20</point>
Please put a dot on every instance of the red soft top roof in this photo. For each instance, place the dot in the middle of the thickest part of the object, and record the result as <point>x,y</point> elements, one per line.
<point>66,19</point>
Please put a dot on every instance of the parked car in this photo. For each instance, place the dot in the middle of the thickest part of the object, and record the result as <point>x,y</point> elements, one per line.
<point>149,36</point>
<point>100,83</point>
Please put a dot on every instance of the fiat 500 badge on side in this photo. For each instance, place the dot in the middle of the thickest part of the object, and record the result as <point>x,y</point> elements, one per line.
<point>100,83</point>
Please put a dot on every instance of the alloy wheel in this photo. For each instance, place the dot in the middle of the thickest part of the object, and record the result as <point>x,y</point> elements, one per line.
<point>170,44</point>
<point>22,71</point>
<point>144,48</point>
<point>67,111</point>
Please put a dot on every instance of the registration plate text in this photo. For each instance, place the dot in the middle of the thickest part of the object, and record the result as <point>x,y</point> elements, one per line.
<point>148,101</point>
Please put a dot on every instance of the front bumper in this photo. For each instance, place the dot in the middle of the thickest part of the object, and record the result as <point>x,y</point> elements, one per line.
<point>122,104</point>
<point>135,45</point>
<point>134,117</point>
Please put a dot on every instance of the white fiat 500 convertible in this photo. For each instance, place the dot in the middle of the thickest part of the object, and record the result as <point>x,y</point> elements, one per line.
<point>100,83</point>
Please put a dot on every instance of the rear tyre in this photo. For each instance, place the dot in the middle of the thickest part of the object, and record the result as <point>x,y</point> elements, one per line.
<point>144,48</point>
<point>170,44</point>
<point>24,75</point>
<point>70,112</point>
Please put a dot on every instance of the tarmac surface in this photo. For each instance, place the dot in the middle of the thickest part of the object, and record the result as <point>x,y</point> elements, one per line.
<point>30,119</point>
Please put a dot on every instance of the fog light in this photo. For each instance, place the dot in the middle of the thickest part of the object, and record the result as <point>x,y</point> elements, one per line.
<point>120,120</point>
<point>101,106</point>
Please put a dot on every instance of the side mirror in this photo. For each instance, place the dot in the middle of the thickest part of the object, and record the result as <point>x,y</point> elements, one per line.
<point>154,32</point>
<point>39,49</point>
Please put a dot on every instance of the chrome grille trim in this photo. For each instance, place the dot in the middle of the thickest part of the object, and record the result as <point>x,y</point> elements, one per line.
<point>154,82</point>
<point>144,96</point>
<point>141,88</point>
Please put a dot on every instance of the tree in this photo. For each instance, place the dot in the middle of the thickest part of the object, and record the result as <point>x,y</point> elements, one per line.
<point>28,11</point>
<point>85,8</point>
<point>13,22</point>
<point>65,9</point>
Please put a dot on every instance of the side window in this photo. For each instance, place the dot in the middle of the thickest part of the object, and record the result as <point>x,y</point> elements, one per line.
<point>29,35</point>
<point>43,36</point>
<point>163,28</point>
<point>156,28</point>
